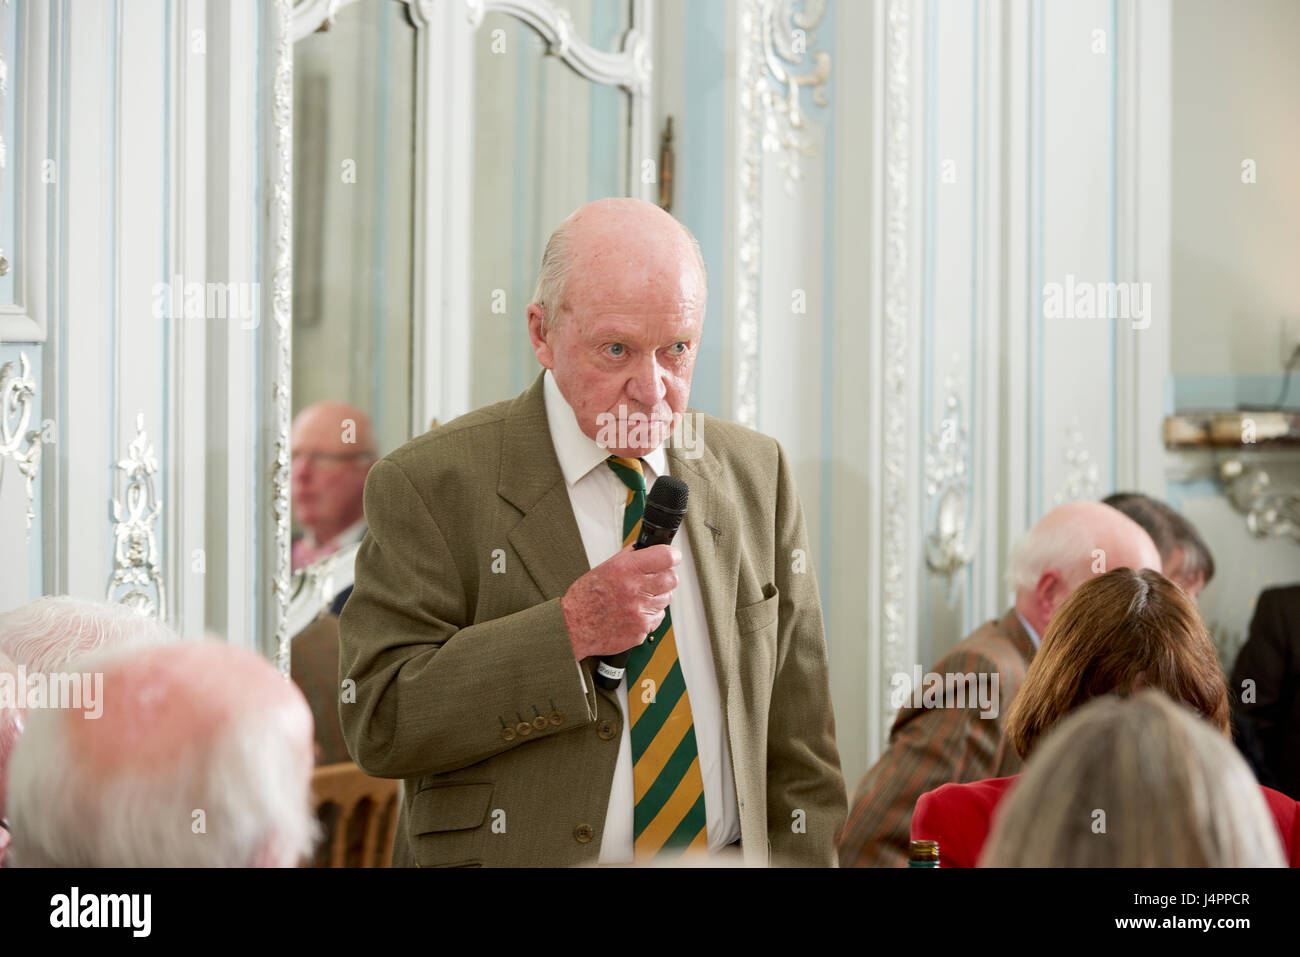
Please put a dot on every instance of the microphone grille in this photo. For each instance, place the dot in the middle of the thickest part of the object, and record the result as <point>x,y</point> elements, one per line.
<point>669,493</point>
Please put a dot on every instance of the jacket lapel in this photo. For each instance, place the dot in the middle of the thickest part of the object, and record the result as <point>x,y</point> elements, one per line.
<point>546,539</point>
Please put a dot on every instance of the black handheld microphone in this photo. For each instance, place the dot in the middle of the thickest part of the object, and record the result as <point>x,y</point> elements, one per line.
<point>664,508</point>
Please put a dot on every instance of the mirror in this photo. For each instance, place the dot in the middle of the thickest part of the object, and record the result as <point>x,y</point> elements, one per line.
<point>546,140</point>
<point>434,149</point>
<point>353,195</point>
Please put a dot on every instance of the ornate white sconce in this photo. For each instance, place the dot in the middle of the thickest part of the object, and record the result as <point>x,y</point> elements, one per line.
<point>137,579</point>
<point>17,390</point>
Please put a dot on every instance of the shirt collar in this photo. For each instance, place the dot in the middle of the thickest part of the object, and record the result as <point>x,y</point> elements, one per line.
<point>1029,630</point>
<point>349,536</point>
<point>577,453</point>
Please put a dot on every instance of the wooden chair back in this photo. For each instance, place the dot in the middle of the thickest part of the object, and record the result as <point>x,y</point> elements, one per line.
<point>359,814</point>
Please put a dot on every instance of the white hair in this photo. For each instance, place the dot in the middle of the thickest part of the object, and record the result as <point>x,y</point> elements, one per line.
<point>251,781</point>
<point>1059,546</point>
<point>557,266</point>
<point>51,632</point>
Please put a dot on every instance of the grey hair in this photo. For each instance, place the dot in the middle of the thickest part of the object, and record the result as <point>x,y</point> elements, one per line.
<point>51,632</point>
<point>1174,793</point>
<point>251,780</point>
<point>1057,546</point>
<point>557,267</point>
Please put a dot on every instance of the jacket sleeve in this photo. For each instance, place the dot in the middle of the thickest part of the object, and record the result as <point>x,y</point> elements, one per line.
<point>423,691</point>
<point>806,800</point>
<point>1259,674</point>
<point>929,747</point>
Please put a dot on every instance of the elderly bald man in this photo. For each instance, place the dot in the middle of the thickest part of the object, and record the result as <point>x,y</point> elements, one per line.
<point>938,740</point>
<point>49,635</point>
<point>496,572</point>
<point>202,757</point>
<point>331,451</point>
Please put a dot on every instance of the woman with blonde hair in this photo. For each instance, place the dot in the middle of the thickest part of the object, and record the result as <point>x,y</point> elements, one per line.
<point>1137,782</point>
<point>1118,633</point>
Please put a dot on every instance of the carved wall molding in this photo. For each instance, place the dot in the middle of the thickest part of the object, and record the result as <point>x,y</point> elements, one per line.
<point>629,68</point>
<point>1082,475</point>
<point>137,577</point>
<point>769,119</point>
<point>949,546</point>
<point>280,331</point>
<point>17,442</point>
<point>787,40</point>
<point>897,298</point>
<point>1270,510</point>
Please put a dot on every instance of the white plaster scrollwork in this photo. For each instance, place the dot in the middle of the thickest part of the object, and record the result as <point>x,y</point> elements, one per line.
<point>17,442</point>
<point>629,67</point>
<point>948,547</point>
<point>1270,510</point>
<point>897,214</point>
<point>774,36</point>
<point>281,234</point>
<point>137,577</point>
<point>1082,477</point>
<point>787,39</point>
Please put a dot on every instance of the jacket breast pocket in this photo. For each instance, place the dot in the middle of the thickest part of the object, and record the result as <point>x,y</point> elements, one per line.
<point>447,824</point>
<point>759,615</point>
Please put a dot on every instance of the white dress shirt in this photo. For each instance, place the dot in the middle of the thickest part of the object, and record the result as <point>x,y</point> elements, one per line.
<point>598,498</point>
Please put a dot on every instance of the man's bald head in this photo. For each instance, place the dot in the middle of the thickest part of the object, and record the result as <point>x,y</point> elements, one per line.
<point>1069,545</point>
<point>627,239</point>
<point>333,425</point>
<point>617,320</point>
<point>185,728</point>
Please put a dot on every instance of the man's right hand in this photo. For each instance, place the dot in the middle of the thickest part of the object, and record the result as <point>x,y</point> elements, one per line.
<point>615,605</point>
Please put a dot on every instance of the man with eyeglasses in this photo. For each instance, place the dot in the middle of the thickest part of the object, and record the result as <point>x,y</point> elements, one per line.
<point>332,448</point>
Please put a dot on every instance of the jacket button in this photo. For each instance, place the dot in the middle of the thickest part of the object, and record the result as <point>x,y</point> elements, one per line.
<point>507,734</point>
<point>556,718</point>
<point>583,833</point>
<point>539,722</point>
<point>524,728</point>
<point>606,729</point>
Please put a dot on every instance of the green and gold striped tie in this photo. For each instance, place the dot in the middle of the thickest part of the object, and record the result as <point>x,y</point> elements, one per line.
<point>667,784</point>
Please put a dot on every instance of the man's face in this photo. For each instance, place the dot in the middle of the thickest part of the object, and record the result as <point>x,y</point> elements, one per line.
<point>624,354</point>
<point>328,475</point>
<point>1190,584</point>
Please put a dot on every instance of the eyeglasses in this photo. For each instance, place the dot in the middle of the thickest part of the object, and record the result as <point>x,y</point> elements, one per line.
<point>327,460</point>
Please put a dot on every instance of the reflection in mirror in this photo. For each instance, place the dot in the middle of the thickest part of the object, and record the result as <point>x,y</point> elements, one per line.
<point>545,141</point>
<point>353,182</point>
<point>353,175</point>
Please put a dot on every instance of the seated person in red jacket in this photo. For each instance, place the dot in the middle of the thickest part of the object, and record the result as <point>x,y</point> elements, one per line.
<point>1134,782</point>
<point>1116,634</point>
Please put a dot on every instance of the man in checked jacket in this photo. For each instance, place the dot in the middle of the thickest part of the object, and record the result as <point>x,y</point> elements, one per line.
<point>936,745</point>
